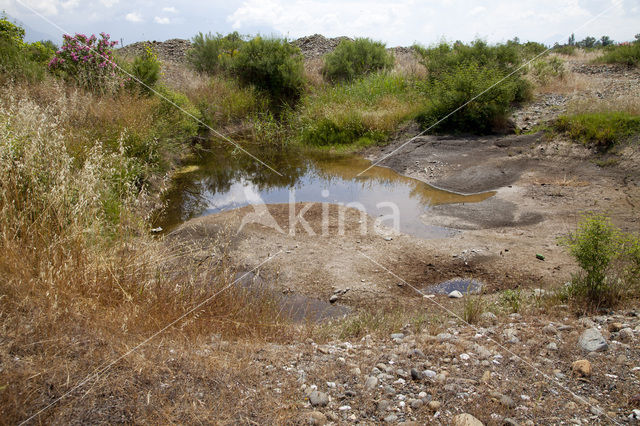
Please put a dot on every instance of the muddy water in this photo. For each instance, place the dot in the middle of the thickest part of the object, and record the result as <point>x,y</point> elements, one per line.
<point>225,180</point>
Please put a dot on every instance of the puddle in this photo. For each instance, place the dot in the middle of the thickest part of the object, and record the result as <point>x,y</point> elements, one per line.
<point>463,285</point>
<point>227,180</point>
<point>297,307</point>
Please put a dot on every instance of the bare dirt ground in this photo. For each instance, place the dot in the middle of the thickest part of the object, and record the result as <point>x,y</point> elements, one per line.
<point>508,369</point>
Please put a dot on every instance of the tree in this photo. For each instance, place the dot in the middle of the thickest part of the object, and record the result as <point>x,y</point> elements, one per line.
<point>605,41</point>
<point>572,40</point>
<point>637,36</point>
<point>588,42</point>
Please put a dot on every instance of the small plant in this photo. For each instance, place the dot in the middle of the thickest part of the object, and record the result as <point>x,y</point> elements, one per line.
<point>211,53</point>
<point>474,307</point>
<point>272,65</point>
<point>595,245</point>
<point>627,54</point>
<point>512,300</point>
<point>355,58</point>
<point>88,62</point>
<point>146,70</point>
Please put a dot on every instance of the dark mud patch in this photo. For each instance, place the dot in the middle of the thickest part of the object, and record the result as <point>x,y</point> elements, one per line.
<point>463,285</point>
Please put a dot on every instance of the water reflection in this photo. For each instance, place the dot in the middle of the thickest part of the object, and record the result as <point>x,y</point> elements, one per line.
<point>225,180</point>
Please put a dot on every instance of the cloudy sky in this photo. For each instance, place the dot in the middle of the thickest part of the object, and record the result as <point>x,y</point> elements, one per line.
<point>400,22</point>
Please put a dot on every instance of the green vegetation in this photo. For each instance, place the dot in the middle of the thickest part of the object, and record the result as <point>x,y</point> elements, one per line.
<point>364,111</point>
<point>609,260</point>
<point>458,73</point>
<point>600,129</point>
<point>272,65</point>
<point>545,69</point>
<point>356,58</point>
<point>627,54</point>
<point>512,300</point>
<point>146,69</point>
<point>20,60</point>
<point>473,308</point>
<point>211,53</point>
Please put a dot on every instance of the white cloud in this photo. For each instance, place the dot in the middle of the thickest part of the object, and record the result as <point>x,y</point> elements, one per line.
<point>109,3</point>
<point>133,17</point>
<point>161,21</point>
<point>170,9</point>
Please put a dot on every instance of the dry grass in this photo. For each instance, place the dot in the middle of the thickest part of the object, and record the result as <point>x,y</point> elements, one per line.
<point>625,103</point>
<point>407,64</point>
<point>78,290</point>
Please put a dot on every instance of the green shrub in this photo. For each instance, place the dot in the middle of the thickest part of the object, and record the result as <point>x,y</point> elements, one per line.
<point>20,60</point>
<point>211,53</point>
<point>146,70</point>
<point>566,49</point>
<point>272,65</point>
<point>355,58</point>
<point>627,54</point>
<point>595,245</point>
<point>458,73</point>
<point>600,129</point>
<point>473,308</point>
<point>545,69</point>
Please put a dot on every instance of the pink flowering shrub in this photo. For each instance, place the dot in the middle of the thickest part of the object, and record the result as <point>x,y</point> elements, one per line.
<point>88,61</point>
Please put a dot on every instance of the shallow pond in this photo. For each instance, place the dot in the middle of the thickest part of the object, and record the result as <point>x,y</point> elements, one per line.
<point>225,179</point>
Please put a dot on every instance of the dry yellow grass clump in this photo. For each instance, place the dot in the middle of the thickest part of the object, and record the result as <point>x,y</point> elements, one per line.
<point>81,283</point>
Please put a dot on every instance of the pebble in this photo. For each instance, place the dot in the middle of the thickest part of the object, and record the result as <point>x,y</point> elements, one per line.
<point>582,368</point>
<point>416,403</point>
<point>316,418</point>
<point>455,294</point>
<point>391,418</point>
<point>591,340</point>
<point>371,383</point>
<point>397,336</point>
<point>488,318</point>
<point>434,405</point>
<point>415,374</point>
<point>466,420</point>
<point>383,405</point>
<point>429,373</point>
<point>626,335</point>
<point>318,399</point>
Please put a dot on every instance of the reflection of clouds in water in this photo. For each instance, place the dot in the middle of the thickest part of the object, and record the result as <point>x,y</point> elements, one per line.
<point>240,193</point>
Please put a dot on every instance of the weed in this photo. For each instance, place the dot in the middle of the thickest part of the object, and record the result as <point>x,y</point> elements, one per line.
<point>512,300</point>
<point>545,69</point>
<point>473,308</point>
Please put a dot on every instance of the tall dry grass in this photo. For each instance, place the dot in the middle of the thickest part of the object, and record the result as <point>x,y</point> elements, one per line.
<point>78,288</point>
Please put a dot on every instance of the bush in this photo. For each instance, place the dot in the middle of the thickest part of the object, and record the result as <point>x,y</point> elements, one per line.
<point>272,65</point>
<point>566,49</point>
<point>627,54</point>
<point>595,245</point>
<point>600,129</point>
<point>512,300</point>
<point>88,62</point>
<point>355,58</point>
<point>545,69</point>
<point>457,73</point>
<point>146,70</point>
<point>211,53</point>
<point>20,60</point>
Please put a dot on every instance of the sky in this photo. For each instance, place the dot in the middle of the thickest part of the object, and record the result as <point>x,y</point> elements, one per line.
<point>397,23</point>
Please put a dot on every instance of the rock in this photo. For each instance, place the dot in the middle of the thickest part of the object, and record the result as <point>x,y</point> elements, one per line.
<point>416,403</point>
<point>441,378</point>
<point>486,377</point>
<point>539,292</point>
<point>511,335</point>
<point>582,368</point>
<point>591,340</point>
<point>549,329</point>
<point>334,298</point>
<point>434,405</point>
<point>634,416</point>
<point>315,418</point>
<point>429,373</point>
<point>455,294</point>
<point>383,405</point>
<point>615,327</point>
<point>465,357</point>
<point>344,408</point>
<point>466,420</point>
<point>391,418</point>
<point>443,337</point>
<point>626,335</point>
<point>415,374</point>
<point>488,318</point>
<point>371,383</point>
<point>483,353</point>
<point>507,421</point>
<point>318,399</point>
<point>397,336</point>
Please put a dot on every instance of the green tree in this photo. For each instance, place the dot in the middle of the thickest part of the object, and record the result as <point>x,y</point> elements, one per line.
<point>572,40</point>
